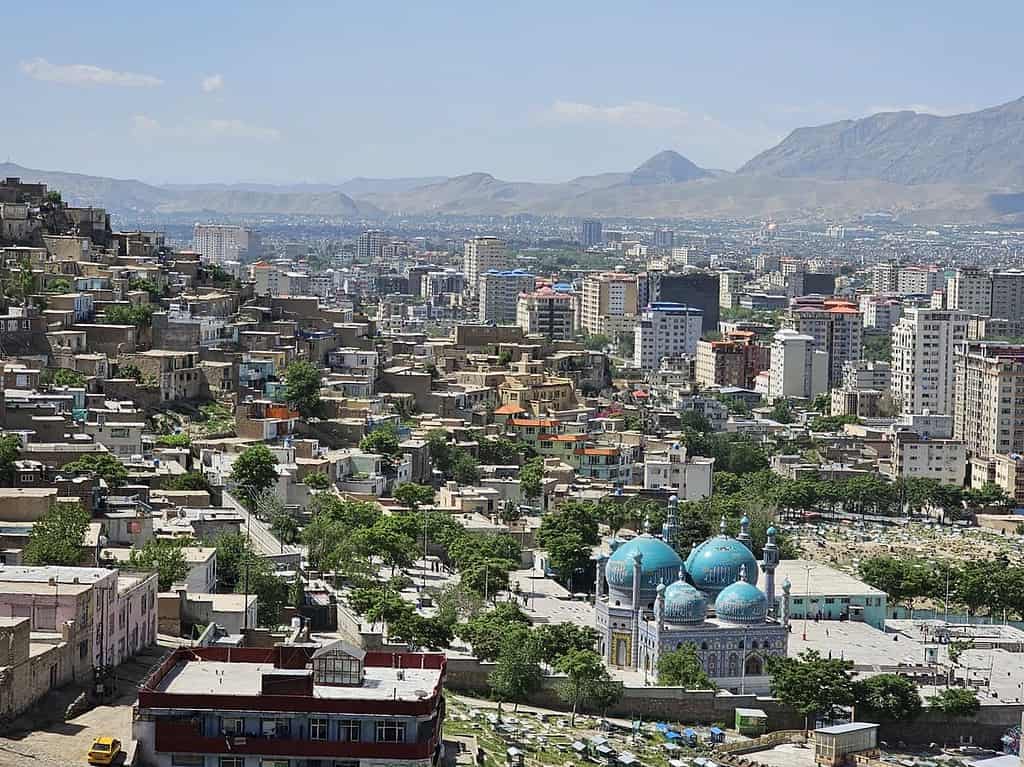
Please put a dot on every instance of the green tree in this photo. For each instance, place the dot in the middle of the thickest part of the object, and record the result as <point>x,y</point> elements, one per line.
<point>174,440</point>
<point>502,451</point>
<point>531,478</point>
<point>698,422</point>
<point>165,557</point>
<point>329,534</point>
<point>129,370</point>
<point>254,472</point>
<point>102,466</point>
<point>504,358</point>
<point>682,668</point>
<point>381,441</point>
<point>569,535</point>
<point>811,684</point>
<point>389,539</point>
<point>486,631</point>
<point>140,315</point>
<point>284,527</point>
<point>886,698</point>
<point>584,670</point>
<point>555,640</point>
<point>297,593</point>
<point>955,701</point>
<point>57,536</point>
<point>10,451</point>
<point>190,480</point>
<point>271,591</point>
<point>517,673</point>
<point>302,388</point>
<point>596,342</point>
<point>412,496</point>
<point>466,470</point>
<point>149,286</point>
<point>66,377</point>
<point>782,411</point>
<point>317,481</point>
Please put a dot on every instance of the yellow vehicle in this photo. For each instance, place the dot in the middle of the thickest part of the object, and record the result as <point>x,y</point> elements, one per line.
<point>104,750</point>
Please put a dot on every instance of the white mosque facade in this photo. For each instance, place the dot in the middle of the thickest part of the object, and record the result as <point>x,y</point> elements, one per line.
<point>655,602</point>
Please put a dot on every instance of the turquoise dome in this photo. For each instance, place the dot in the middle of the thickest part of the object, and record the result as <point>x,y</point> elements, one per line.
<point>741,602</point>
<point>684,604</point>
<point>660,563</point>
<point>716,563</point>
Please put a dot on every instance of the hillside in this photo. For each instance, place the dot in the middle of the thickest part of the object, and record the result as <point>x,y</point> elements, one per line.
<point>985,148</point>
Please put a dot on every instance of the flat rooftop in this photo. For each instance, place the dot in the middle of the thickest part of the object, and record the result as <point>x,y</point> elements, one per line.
<point>221,678</point>
<point>824,580</point>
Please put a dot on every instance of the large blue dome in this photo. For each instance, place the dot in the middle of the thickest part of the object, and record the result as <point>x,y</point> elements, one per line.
<point>741,602</point>
<point>716,563</point>
<point>660,563</point>
<point>684,604</point>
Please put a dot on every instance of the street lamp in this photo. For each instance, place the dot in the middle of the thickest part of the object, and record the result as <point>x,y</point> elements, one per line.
<point>807,598</point>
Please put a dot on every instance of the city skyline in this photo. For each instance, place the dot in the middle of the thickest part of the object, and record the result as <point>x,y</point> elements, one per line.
<point>544,95</point>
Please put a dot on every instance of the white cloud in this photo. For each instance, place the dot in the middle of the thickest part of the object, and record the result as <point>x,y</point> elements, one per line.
<point>85,75</point>
<point>631,113</point>
<point>202,131</point>
<point>212,83</point>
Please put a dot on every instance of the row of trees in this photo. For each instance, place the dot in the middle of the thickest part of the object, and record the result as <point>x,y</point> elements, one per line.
<point>817,686</point>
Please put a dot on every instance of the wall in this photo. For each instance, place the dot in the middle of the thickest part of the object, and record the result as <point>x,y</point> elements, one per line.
<point>986,727</point>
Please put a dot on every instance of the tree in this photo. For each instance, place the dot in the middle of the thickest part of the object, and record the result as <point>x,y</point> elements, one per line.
<point>465,470</point>
<point>66,377</point>
<point>682,668</point>
<point>555,640</point>
<point>271,591</point>
<point>381,441</point>
<point>698,422</point>
<point>389,539</point>
<point>165,557</point>
<point>57,536</point>
<point>486,631</point>
<point>190,480</point>
<point>502,451</point>
<point>412,496</point>
<point>302,388</point>
<point>129,370</point>
<point>297,593</point>
<point>254,472</point>
<point>531,478</point>
<point>811,684</point>
<point>782,411</point>
<point>584,670</point>
<point>174,440</point>
<point>102,466</point>
<point>10,451</point>
<point>568,535</point>
<point>140,315</point>
<point>148,285</point>
<point>955,701</point>
<point>329,534</point>
<point>596,342</point>
<point>504,359</point>
<point>284,527</point>
<point>517,673</point>
<point>886,698</point>
<point>317,481</point>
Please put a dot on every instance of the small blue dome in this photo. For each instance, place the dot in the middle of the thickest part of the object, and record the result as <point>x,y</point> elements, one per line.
<point>716,563</point>
<point>741,602</point>
<point>684,604</point>
<point>772,531</point>
<point>660,563</point>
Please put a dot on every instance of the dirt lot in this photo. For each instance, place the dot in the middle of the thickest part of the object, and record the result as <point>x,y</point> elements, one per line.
<point>66,743</point>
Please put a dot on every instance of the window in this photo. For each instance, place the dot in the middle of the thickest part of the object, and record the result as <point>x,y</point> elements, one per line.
<point>350,730</point>
<point>231,761</point>
<point>232,726</point>
<point>275,728</point>
<point>338,668</point>
<point>318,729</point>
<point>391,732</point>
<point>188,760</point>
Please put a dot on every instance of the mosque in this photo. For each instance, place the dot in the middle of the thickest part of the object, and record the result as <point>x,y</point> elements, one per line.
<point>655,602</point>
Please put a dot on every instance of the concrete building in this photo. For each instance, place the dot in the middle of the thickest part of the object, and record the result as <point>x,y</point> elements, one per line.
<point>919,280</point>
<point>666,330</point>
<point>1010,474</point>
<point>609,303</point>
<point>295,704</point>
<point>730,285</point>
<point>1008,294</point>
<point>820,590</point>
<point>370,246</point>
<point>220,242</point>
<point>880,312</point>
<point>499,294</point>
<point>689,477</point>
<point>798,367</point>
<point>915,456</point>
<point>923,344</point>
<point>989,396</point>
<point>836,326</point>
<point>734,361</point>
<point>970,291</point>
<point>867,374</point>
<point>547,311</point>
<point>482,255</point>
<point>590,233</point>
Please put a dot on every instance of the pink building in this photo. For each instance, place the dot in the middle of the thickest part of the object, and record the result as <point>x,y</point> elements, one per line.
<point>114,612</point>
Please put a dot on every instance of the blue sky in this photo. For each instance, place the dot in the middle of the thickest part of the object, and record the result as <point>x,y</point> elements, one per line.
<point>320,92</point>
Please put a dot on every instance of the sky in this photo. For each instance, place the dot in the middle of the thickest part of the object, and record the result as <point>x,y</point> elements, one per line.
<point>224,91</point>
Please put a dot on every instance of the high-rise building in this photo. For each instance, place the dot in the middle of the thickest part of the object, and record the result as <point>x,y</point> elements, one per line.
<point>499,294</point>
<point>836,326</point>
<point>735,361</point>
<point>880,312</point>
<point>664,238</point>
<point>884,277</point>
<point>370,246</point>
<point>989,411</point>
<point>923,343</point>
<point>590,233</point>
<point>799,368</point>
<point>919,280</point>
<point>609,303</point>
<point>696,289</point>
<point>220,242</point>
<point>548,312</point>
<point>730,285</point>
<point>666,330</point>
<point>481,255</point>
<point>970,291</point>
<point>1008,294</point>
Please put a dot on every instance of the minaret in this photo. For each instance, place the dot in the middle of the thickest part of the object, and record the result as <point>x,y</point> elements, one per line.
<point>601,560</point>
<point>638,558</point>
<point>721,527</point>
<point>670,530</point>
<point>659,609</point>
<point>769,561</point>
<point>744,536</point>
<point>786,586</point>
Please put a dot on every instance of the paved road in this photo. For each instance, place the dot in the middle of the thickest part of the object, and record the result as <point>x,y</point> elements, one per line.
<point>263,540</point>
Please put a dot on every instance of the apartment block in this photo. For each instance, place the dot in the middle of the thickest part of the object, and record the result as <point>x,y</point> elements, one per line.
<point>499,294</point>
<point>970,291</point>
<point>798,367</point>
<point>923,344</point>
<point>666,330</point>
<point>989,396</point>
<point>609,303</point>
<point>482,255</point>
<point>548,311</point>
<point>834,324</point>
<point>733,361</point>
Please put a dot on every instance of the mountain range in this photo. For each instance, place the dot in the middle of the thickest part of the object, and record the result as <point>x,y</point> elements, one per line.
<point>926,168</point>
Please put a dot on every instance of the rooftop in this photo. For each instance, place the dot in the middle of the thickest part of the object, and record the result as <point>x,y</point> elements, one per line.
<point>824,580</point>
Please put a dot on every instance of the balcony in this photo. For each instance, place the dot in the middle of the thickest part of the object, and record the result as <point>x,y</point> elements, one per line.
<point>185,737</point>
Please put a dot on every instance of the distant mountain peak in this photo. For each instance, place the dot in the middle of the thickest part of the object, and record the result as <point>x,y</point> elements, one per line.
<point>667,167</point>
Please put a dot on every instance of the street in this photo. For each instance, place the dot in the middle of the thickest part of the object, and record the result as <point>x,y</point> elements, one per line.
<point>263,540</point>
